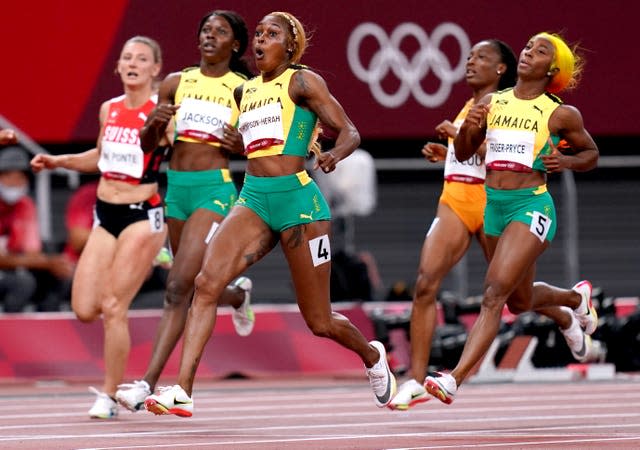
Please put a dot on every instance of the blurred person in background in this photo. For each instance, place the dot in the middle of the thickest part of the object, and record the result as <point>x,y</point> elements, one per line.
<point>24,267</point>
<point>8,136</point>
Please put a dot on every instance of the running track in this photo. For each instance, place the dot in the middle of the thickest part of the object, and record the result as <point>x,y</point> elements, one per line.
<point>328,413</point>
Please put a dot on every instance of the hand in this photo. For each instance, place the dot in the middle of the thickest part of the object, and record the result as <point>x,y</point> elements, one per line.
<point>162,115</point>
<point>42,161</point>
<point>446,130</point>
<point>8,136</point>
<point>556,161</point>
<point>477,115</point>
<point>232,140</point>
<point>325,161</point>
<point>434,152</point>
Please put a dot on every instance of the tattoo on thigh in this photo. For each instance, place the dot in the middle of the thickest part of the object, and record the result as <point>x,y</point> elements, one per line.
<point>264,247</point>
<point>296,238</point>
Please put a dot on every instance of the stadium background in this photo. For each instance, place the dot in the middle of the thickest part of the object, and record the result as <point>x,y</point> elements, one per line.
<point>58,66</point>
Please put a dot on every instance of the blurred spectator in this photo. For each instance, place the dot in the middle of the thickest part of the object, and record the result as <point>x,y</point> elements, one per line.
<point>78,219</point>
<point>25,270</point>
<point>8,136</point>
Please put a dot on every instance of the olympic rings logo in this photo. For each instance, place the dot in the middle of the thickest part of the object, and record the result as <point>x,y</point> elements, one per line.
<point>389,57</point>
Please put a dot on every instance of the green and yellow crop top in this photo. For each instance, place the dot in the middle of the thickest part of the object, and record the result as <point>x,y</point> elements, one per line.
<point>518,131</point>
<point>206,104</point>
<point>270,123</point>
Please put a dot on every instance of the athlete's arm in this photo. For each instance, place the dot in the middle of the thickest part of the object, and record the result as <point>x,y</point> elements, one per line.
<point>309,89</point>
<point>566,121</point>
<point>473,130</point>
<point>154,131</point>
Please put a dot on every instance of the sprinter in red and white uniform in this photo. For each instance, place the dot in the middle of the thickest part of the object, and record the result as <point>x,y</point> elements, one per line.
<point>129,227</point>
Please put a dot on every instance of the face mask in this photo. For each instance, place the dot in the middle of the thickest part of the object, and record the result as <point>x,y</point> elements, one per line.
<point>10,194</point>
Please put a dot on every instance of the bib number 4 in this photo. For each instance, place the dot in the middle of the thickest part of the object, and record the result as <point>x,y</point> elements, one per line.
<point>320,250</point>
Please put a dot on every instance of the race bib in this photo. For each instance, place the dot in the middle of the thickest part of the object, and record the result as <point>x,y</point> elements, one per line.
<point>513,147</point>
<point>262,127</point>
<point>202,120</point>
<point>156,219</point>
<point>127,159</point>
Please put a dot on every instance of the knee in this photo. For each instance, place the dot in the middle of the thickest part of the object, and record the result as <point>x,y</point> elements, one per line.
<point>178,293</point>
<point>113,310</point>
<point>425,291</point>
<point>494,297</point>
<point>321,328</point>
<point>207,289</point>
<point>84,313</point>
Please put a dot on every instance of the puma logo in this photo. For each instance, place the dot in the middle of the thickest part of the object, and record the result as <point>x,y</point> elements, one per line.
<point>307,216</point>
<point>220,204</point>
<point>538,109</point>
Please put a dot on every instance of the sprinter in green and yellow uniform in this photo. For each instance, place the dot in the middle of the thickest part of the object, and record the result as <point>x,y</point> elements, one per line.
<point>198,104</point>
<point>522,127</point>
<point>279,202</point>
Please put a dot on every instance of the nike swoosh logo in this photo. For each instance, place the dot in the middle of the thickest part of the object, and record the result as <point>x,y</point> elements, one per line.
<point>385,398</point>
<point>583,350</point>
<point>178,402</point>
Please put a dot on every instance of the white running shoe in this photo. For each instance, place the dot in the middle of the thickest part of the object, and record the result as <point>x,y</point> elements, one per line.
<point>170,400</point>
<point>104,407</point>
<point>243,318</point>
<point>578,341</point>
<point>442,386</point>
<point>410,393</point>
<point>132,395</point>
<point>585,312</point>
<point>381,378</point>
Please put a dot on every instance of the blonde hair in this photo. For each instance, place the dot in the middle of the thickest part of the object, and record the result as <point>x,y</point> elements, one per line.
<point>567,62</point>
<point>299,39</point>
<point>151,43</point>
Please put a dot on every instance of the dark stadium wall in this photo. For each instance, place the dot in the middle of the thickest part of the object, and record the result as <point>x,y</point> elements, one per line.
<point>59,56</point>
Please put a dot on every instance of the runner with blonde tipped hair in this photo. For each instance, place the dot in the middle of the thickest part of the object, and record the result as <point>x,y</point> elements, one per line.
<point>522,128</point>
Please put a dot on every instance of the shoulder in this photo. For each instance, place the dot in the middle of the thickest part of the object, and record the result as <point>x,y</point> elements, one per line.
<point>112,101</point>
<point>306,80</point>
<point>173,79</point>
<point>106,105</point>
<point>566,113</point>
